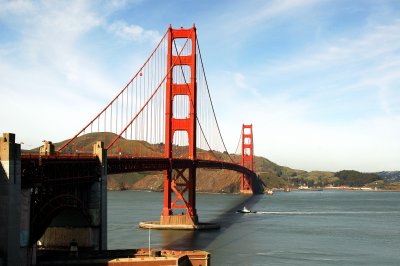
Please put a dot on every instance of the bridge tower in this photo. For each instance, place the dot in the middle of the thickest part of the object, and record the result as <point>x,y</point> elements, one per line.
<point>180,184</point>
<point>247,157</point>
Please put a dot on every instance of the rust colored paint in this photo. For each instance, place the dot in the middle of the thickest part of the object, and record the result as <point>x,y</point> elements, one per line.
<point>179,184</point>
<point>247,156</point>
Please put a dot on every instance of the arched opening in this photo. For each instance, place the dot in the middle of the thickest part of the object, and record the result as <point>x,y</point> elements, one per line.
<point>70,224</point>
<point>61,219</point>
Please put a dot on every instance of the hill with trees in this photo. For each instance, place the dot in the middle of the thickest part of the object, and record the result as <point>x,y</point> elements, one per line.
<point>390,176</point>
<point>273,175</point>
<point>353,178</point>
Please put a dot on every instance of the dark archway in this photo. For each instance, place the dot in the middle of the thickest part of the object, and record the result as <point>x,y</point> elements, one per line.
<point>51,210</point>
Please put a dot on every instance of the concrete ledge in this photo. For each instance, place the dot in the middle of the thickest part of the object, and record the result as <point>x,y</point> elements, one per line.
<point>158,226</point>
<point>128,257</point>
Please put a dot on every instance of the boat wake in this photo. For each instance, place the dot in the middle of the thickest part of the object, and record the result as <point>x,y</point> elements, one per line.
<point>325,212</point>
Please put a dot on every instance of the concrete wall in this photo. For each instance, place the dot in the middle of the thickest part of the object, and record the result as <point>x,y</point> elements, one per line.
<point>69,225</point>
<point>98,149</point>
<point>10,193</point>
<point>15,207</point>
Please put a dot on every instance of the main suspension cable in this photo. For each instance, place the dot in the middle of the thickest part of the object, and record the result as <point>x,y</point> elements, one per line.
<point>212,106</point>
<point>191,100</point>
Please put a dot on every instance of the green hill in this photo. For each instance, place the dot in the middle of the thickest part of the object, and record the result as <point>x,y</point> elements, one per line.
<point>273,175</point>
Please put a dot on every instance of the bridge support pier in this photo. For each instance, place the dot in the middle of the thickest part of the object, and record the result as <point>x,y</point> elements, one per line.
<point>179,212</point>
<point>11,235</point>
<point>182,182</point>
<point>101,153</point>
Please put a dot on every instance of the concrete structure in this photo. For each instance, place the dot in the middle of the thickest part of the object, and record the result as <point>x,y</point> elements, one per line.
<point>101,153</point>
<point>129,257</point>
<point>82,207</point>
<point>47,148</point>
<point>54,200</point>
<point>178,226</point>
<point>159,257</point>
<point>10,195</point>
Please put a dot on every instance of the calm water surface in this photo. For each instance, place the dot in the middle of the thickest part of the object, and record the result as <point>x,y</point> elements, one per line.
<point>296,228</point>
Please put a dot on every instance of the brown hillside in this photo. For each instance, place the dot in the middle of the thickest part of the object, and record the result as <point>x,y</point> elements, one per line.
<point>273,175</point>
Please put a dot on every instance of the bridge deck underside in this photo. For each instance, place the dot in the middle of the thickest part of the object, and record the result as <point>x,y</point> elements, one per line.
<point>57,183</point>
<point>78,169</point>
<point>58,169</point>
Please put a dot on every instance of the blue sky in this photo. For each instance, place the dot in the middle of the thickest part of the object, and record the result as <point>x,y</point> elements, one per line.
<point>318,79</point>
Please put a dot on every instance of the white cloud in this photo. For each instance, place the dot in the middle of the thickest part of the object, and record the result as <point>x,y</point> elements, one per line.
<point>239,80</point>
<point>377,43</point>
<point>52,82</point>
<point>15,7</point>
<point>356,73</point>
<point>272,9</point>
<point>316,110</point>
<point>254,15</point>
<point>133,32</point>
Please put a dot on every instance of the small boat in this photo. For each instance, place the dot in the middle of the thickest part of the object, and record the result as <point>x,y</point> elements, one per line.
<point>245,210</point>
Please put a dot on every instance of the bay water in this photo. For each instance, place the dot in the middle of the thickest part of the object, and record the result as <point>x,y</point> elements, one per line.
<point>295,228</point>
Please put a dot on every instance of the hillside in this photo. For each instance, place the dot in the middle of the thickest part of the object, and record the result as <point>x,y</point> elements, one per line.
<point>390,176</point>
<point>273,175</point>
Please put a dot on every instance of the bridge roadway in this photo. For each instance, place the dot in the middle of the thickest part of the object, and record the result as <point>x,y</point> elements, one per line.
<point>84,168</point>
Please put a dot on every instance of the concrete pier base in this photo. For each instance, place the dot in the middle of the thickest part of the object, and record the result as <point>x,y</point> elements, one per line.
<point>179,219</point>
<point>159,226</point>
<point>178,222</point>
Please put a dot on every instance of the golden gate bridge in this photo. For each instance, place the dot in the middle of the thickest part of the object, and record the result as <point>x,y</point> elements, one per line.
<point>162,120</point>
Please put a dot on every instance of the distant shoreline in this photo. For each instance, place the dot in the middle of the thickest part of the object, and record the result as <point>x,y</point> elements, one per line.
<point>350,189</point>
<point>274,190</point>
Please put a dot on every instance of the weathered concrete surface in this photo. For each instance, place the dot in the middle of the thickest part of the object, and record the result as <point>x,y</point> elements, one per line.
<point>199,226</point>
<point>101,153</point>
<point>134,257</point>
<point>10,193</point>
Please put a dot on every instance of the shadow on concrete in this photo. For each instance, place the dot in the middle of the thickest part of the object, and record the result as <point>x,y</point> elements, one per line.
<point>200,239</point>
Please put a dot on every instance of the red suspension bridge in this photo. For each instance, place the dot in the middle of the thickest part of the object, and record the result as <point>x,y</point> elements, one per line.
<point>162,120</point>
